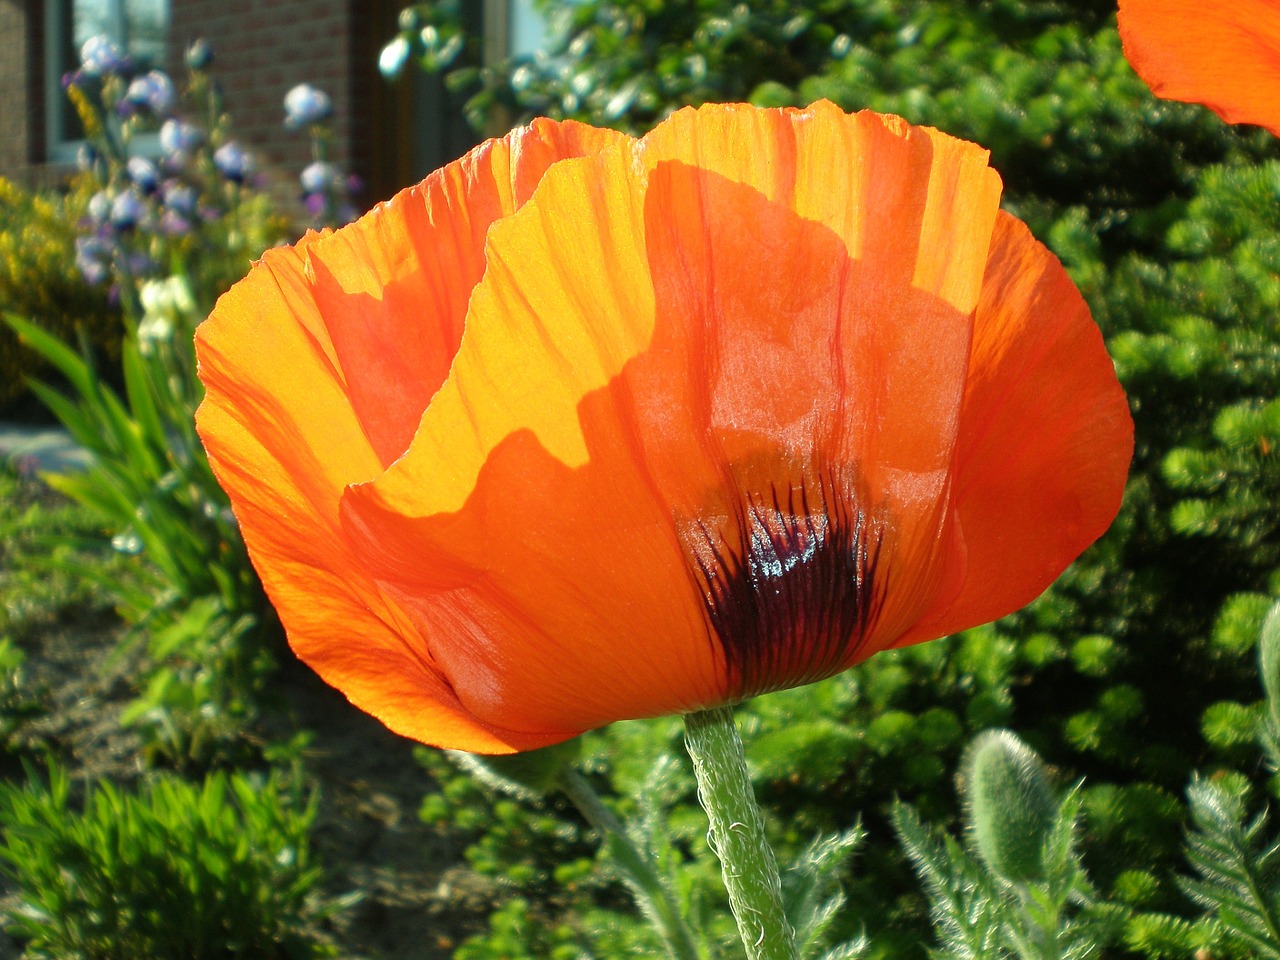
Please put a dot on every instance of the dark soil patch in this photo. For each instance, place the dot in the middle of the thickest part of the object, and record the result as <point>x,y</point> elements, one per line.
<point>417,899</point>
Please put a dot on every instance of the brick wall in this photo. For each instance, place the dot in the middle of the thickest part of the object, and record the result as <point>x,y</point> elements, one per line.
<point>21,60</point>
<point>262,48</point>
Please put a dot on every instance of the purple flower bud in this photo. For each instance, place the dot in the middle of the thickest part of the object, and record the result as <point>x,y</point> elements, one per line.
<point>92,257</point>
<point>99,56</point>
<point>175,162</point>
<point>127,210</point>
<point>93,272</point>
<point>178,136</point>
<point>318,177</point>
<point>315,203</point>
<point>199,55</point>
<point>143,173</point>
<point>100,207</point>
<point>305,105</point>
<point>140,264</point>
<point>232,161</point>
<point>153,90</point>
<point>86,157</point>
<point>179,198</point>
<point>174,224</point>
<point>71,78</point>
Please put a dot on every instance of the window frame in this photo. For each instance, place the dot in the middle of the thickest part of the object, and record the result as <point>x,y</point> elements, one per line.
<point>58,26</point>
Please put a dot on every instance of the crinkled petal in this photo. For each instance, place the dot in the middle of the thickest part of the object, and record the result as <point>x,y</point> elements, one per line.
<point>660,337</point>
<point>317,368</point>
<point>393,289</point>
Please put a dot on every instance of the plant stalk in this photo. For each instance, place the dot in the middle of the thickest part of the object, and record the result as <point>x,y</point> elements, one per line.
<point>737,834</point>
<point>638,870</point>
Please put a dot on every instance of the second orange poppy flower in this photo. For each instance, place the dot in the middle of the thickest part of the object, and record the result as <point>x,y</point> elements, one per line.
<point>585,428</point>
<point>1222,53</point>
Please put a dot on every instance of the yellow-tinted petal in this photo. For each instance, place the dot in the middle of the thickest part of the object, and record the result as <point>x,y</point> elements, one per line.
<point>317,367</point>
<point>494,529</point>
<point>393,288</point>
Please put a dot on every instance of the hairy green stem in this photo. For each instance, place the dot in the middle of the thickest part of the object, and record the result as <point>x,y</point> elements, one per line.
<point>638,870</point>
<point>737,834</point>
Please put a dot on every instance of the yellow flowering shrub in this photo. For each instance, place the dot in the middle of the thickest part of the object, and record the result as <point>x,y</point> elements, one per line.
<point>39,281</point>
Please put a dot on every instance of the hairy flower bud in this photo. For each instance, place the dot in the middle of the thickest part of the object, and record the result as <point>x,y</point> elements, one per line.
<point>1011,805</point>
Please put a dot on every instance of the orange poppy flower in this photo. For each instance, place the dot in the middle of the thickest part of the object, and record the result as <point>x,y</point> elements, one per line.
<point>1225,55</point>
<point>584,428</point>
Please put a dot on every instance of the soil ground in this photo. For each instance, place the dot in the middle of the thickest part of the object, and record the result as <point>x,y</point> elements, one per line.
<point>419,900</point>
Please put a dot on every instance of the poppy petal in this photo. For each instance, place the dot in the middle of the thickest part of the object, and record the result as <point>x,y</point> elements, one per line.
<point>292,359</point>
<point>1224,55</point>
<point>486,530</point>
<point>393,289</point>
<point>914,209</point>
<point>1045,438</point>
<point>654,345</point>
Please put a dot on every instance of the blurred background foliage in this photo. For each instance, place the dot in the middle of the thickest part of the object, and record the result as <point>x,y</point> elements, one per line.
<point>39,278</point>
<point>1137,667</point>
<point>199,844</point>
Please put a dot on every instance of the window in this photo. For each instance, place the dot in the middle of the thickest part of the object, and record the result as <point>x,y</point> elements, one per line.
<point>138,27</point>
<point>528,28</point>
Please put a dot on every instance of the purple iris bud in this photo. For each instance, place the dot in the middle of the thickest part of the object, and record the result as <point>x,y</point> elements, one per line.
<point>93,272</point>
<point>86,157</point>
<point>232,161</point>
<point>92,257</point>
<point>199,54</point>
<point>315,203</point>
<point>179,198</point>
<point>178,136</point>
<point>153,90</point>
<point>175,163</point>
<point>318,177</point>
<point>144,173</point>
<point>174,224</point>
<point>127,210</point>
<point>100,207</point>
<point>99,56</point>
<point>305,105</point>
<point>140,264</point>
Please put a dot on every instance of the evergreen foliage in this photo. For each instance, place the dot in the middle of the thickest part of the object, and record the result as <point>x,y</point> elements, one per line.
<point>1238,862</point>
